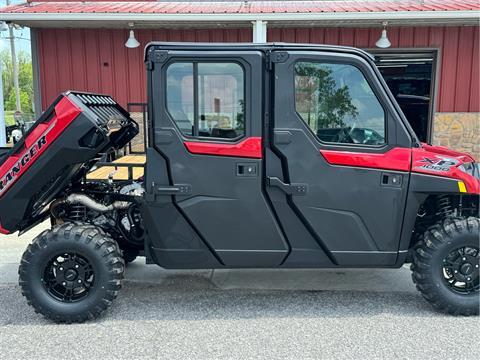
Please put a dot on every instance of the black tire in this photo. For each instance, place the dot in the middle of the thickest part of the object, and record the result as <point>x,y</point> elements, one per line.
<point>98,263</point>
<point>435,262</point>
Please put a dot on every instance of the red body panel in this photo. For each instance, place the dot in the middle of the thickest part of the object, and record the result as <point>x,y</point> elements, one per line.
<point>36,143</point>
<point>444,151</point>
<point>395,159</point>
<point>249,148</point>
<point>428,159</point>
<point>441,161</point>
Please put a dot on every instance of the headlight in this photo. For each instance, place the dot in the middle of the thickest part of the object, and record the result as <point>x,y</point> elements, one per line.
<point>470,168</point>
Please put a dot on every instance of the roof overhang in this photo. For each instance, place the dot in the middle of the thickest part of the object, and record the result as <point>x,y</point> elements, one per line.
<point>237,13</point>
<point>114,20</point>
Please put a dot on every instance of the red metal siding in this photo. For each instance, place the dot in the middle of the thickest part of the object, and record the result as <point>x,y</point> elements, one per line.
<point>97,60</point>
<point>458,90</point>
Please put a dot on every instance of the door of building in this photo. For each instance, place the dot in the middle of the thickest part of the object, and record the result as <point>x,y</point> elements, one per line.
<point>410,77</point>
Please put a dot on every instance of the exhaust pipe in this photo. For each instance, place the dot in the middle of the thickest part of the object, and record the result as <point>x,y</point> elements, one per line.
<point>94,205</point>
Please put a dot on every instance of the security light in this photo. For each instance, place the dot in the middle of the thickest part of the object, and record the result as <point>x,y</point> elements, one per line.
<point>383,42</point>
<point>131,41</point>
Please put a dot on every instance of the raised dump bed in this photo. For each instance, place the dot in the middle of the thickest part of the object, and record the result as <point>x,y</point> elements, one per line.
<point>62,145</point>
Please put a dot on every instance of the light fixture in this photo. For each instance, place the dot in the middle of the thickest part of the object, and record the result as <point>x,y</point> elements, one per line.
<point>383,42</point>
<point>3,26</point>
<point>132,42</point>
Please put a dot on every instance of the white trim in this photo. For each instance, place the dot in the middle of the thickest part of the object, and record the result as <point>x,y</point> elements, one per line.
<point>259,31</point>
<point>128,17</point>
<point>37,89</point>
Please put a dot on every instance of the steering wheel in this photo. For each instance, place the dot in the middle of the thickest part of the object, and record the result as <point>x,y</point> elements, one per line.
<point>354,135</point>
<point>345,136</point>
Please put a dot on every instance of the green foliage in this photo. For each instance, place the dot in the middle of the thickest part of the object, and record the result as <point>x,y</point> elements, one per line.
<point>25,80</point>
<point>9,120</point>
<point>25,101</point>
<point>322,97</point>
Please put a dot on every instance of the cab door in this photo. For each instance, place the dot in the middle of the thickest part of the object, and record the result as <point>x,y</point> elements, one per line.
<point>211,211</point>
<point>339,159</point>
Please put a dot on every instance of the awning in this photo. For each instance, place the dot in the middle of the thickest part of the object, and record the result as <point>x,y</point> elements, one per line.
<point>71,13</point>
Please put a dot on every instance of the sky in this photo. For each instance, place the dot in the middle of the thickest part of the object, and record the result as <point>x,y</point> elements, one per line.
<point>22,36</point>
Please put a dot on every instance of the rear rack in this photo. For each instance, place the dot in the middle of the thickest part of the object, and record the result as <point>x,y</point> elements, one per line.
<point>115,171</point>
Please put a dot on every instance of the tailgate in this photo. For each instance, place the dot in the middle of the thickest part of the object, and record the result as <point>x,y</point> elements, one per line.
<point>58,149</point>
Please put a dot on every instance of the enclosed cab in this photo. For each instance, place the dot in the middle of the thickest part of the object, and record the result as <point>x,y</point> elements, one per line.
<point>268,156</point>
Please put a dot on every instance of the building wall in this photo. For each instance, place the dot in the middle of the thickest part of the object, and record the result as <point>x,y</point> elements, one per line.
<point>458,90</point>
<point>97,60</point>
<point>458,130</point>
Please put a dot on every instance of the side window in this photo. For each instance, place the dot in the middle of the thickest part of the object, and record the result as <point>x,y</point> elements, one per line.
<point>219,108</point>
<point>180,96</point>
<point>338,104</point>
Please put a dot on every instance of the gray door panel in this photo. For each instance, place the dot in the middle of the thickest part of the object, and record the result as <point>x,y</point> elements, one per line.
<point>227,209</point>
<point>347,211</point>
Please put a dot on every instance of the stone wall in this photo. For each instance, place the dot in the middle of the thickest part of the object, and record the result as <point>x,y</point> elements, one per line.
<point>459,131</point>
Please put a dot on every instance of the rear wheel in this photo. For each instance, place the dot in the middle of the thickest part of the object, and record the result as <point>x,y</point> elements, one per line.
<point>446,264</point>
<point>71,273</point>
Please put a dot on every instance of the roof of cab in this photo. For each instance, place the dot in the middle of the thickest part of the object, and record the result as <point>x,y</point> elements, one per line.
<point>158,45</point>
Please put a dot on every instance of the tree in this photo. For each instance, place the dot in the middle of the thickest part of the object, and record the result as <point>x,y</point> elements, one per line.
<point>319,93</point>
<point>25,79</point>
<point>25,101</point>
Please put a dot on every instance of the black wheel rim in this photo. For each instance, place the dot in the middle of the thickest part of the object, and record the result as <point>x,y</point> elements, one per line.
<point>68,277</point>
<point>461,270</point>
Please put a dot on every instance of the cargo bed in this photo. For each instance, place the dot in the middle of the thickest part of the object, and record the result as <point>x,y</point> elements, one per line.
<point>62,145</point>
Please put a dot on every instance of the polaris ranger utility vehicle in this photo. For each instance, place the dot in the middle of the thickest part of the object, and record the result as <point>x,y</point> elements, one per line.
<point>259,156</point>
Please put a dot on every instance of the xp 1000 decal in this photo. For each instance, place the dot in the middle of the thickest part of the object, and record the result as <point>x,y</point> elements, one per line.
<point>439,164</point>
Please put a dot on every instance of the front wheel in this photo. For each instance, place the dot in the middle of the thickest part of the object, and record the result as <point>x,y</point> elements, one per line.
<point>446,263</point>
<point>71,273</point>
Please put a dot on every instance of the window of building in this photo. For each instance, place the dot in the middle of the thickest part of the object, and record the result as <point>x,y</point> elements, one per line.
<point>338,104</point>
<point>207,99</point>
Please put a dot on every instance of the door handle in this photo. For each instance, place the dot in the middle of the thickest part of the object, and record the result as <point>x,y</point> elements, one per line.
<point>177,189</point>
<point>247,170</point>
<point>282,137</point>
<point>392,180</point>
<point>163,136</point>
<point>289,189</point>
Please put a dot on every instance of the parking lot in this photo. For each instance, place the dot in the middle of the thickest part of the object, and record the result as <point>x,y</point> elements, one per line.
<point>294,314</point>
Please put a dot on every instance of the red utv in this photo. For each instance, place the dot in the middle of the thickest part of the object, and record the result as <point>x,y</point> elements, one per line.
<point>259,156</point>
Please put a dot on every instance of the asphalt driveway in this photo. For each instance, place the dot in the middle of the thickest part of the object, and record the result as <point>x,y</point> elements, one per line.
<point>239,314</point>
